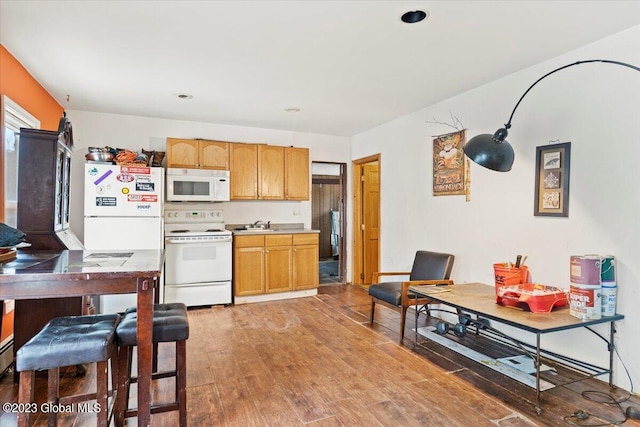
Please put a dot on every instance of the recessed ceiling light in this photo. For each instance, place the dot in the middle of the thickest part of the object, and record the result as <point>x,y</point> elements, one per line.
<point>414,16</point>
<point>184,96</point>
<point>292,110</point>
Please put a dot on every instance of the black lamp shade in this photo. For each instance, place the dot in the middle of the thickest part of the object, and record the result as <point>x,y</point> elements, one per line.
<point>490,151</point>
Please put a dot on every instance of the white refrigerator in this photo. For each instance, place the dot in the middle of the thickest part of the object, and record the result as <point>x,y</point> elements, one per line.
<point>123,209</point>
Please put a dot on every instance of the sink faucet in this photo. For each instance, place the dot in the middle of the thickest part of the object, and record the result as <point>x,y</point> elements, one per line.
<point>262,224</point>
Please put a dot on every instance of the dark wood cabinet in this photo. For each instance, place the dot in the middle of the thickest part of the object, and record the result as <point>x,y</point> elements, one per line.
<point>44,171</point>
<point>44,167</point>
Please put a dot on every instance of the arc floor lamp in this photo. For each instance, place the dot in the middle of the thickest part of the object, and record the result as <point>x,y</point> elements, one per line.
<point>493,151</point>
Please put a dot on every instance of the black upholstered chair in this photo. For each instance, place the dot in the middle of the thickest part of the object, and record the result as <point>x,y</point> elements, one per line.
<point>67,341</point>
<point>170,324</point>
<point>429,268</point>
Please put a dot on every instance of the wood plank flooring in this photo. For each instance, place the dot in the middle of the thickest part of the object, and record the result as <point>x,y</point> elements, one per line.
<point>316,361</point>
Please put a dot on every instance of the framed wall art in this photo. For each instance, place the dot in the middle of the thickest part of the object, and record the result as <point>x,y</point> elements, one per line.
<point>552,180</point>
<point>449,165</point>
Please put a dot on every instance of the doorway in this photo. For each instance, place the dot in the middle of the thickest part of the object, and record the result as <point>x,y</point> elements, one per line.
<point>328,212</point>
<point>366,219</point>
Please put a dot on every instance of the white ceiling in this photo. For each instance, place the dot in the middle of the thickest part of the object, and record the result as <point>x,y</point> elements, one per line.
<point>348,65</point>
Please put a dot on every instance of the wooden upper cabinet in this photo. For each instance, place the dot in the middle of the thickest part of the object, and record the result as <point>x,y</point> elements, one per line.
<point>214,155</point>
<point>182,153</point>
<point>297,173</point>
<point>270,172</point>
<point>243,165</point>
<point>197,154</point>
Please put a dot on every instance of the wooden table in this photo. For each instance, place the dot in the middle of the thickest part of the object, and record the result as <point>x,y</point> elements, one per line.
<point>54,274</point>
<point>480,300</point>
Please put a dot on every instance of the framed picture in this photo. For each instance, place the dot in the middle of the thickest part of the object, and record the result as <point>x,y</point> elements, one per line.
<point>449,165</point>
<point>552,180</point>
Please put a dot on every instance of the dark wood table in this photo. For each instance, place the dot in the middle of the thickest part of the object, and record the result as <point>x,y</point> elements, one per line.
<point>54,274</point>
<point>479,300</point>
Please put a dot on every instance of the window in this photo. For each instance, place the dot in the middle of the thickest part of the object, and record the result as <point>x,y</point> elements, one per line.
<point>14,117</point>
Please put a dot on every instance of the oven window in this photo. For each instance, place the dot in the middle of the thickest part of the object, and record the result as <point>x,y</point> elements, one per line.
<point>191,188</point>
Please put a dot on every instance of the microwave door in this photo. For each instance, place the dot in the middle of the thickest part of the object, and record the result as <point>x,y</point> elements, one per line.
<point>190,188</point>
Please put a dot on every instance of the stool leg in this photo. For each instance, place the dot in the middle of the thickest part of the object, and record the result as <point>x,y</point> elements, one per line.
<point>125,357</point>
<point>181,381</point>
<point>25,396</point>
<point>102,393</point>
<point>53,394</point>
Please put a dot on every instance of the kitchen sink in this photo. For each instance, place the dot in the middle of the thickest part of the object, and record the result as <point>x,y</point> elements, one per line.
<point>258,230</point>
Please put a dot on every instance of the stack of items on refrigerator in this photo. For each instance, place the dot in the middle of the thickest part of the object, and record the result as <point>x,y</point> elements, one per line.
<point>593,288</point>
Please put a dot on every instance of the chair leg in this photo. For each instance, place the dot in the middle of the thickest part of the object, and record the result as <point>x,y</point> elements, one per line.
<point>181,381</point>
<point>53,394</point>
<point>25,396</point>
<point>373,307</point>
<point>403,321</point>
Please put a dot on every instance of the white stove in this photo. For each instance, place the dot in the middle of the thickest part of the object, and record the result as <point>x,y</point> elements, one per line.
<point>198,256</point>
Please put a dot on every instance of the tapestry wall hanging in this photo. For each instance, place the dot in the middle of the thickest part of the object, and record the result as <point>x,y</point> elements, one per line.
<point>450,166</point>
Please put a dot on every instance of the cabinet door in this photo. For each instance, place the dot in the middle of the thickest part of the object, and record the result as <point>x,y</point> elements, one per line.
<point>278,268</point>
<point>305,261</point>
<point>182,153</point>
<point>214,155</point>
<point>297,173</point>
<point>243,167</point>
<point>248,271</point>
<point>270,172</point>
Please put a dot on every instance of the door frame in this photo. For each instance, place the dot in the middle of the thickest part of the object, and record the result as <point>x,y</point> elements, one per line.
<point>358,231</point>
<point>342,247</point>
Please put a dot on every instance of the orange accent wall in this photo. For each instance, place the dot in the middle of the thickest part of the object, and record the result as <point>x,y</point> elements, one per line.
<point>19,85</point>
<point>22,88</point>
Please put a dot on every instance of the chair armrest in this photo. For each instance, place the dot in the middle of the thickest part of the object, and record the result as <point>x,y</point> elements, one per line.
<point>376,275</point>
<point>405,287</point>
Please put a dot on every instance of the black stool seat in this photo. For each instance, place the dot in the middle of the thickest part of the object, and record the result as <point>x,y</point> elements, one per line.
<point>67,341</point>
<point>170,323</point>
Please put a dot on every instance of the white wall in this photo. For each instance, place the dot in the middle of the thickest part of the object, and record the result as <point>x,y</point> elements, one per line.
<point>135,133</point>
<point>594,106</point>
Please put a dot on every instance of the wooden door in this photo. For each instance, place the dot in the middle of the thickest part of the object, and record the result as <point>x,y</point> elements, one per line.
<point>243,167</point>
<point>306,273</point>
<point>271,172</point>
<point>371,219</point>
<point>213,155</point>
<point>297,173</point>
<point>182,153</point>
<point>366,219</point>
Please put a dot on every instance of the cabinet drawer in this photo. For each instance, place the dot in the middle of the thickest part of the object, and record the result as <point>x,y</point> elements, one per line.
<point>248,241</point>
<point>305,239</point>
<point>278,240</point>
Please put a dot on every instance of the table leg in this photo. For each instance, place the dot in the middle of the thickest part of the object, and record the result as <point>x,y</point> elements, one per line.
<point>145,333</point>
<point>612,332</point>
<point>538,365</point>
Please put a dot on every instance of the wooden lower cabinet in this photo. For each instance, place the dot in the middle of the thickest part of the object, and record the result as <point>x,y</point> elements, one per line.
<point>306,274</point>
<point>278,262</point>
<point>275,263</point>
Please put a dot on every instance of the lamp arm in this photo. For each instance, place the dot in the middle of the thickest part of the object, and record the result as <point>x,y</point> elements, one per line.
<point>624,64</point>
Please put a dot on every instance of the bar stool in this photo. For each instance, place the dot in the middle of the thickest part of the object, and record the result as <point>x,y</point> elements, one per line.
<point>170,324</point>
<point>66,341</point>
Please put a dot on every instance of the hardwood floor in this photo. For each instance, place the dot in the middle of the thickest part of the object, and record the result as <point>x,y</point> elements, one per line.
<point>316,361</point>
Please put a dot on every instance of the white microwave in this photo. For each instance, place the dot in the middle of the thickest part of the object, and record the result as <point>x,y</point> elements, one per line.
<point>197,185</point>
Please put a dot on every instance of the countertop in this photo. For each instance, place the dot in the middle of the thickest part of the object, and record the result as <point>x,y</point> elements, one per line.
<point>295,228</point>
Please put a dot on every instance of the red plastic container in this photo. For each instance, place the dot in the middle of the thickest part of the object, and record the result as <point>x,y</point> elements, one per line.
<point>537,298</point>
